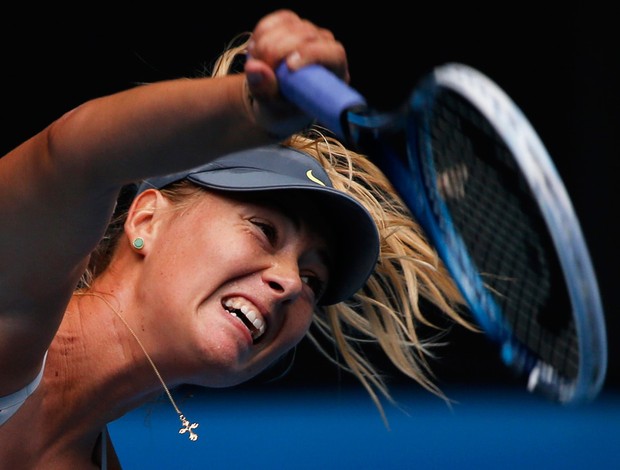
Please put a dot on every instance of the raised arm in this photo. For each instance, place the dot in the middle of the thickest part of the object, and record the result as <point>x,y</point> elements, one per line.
<point>58,189</point>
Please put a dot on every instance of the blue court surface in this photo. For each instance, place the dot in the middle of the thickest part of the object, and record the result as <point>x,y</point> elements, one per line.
<point>486,427</point>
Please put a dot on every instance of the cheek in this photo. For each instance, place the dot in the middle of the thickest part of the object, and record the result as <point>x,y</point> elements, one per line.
<point>296,326</point>
<point>210,251</point>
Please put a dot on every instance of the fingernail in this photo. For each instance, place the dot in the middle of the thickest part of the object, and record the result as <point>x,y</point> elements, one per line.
<point>254,78</point>
<point>293,60</point>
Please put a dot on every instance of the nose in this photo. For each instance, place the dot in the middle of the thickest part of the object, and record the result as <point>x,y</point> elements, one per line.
<point>283,278</point>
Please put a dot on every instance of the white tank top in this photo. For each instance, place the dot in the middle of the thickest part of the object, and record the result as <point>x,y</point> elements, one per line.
<point>11,403</point>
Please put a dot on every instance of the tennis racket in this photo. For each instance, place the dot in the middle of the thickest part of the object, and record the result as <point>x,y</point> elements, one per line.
<point>478,179</point>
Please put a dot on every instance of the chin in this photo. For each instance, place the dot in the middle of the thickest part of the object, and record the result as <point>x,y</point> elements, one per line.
<point>228,375</point>
<point>228,364</point>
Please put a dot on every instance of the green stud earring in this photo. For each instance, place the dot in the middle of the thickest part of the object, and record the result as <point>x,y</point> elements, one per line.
<point>138,243</point>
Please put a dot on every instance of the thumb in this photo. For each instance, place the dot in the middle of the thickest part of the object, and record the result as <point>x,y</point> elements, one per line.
<point>262,80</point>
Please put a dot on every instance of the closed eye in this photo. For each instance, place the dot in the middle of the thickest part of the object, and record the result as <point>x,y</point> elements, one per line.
<point>270,231</point>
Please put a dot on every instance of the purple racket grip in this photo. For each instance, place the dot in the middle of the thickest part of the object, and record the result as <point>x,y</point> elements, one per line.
<point>320,94</point>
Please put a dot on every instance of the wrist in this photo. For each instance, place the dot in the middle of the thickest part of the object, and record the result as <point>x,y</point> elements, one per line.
<point>277,120</point>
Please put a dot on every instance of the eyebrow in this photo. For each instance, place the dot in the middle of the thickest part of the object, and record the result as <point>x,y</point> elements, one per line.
<point>293,208</point>
<point>293,205</point>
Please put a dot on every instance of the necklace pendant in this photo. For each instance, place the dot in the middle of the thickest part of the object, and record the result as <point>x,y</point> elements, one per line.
<point>187,427</point>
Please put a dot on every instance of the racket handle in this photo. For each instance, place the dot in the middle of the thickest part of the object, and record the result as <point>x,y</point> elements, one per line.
<point>321,95</point>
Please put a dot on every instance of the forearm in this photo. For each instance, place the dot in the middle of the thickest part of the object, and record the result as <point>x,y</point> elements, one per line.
<point>154,129</point>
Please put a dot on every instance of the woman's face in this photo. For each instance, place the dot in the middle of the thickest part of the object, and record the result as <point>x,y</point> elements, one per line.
<point>234,284</point>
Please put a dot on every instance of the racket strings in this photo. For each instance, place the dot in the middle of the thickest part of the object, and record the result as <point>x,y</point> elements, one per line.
<point>481,196</point>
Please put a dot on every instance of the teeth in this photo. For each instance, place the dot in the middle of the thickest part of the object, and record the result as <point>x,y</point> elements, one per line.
<point>259,325</point>
<point>246,313</point>
<point>251,315</point>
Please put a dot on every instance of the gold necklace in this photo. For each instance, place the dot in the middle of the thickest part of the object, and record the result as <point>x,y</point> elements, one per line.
<point>186,426</point>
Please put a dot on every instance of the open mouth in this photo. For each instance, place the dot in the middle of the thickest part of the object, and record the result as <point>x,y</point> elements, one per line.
<point>248,314</point>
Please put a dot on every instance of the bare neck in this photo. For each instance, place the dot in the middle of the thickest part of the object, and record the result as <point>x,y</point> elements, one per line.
<point>94,374</point>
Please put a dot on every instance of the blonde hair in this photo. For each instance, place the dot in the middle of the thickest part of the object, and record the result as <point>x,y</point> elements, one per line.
<point>387,311</point>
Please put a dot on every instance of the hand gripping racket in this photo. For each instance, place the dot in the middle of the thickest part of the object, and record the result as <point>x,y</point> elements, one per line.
<point>477,177</point>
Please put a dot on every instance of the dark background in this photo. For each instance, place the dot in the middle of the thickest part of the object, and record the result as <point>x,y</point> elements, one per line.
<point>561,66</point>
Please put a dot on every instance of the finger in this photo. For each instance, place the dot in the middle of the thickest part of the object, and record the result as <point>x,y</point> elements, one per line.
<point>285,36</point>
<point>261,79</point>
<point>331,55</point>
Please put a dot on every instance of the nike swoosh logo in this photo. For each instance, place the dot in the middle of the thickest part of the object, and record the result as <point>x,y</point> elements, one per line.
<point>313,178</point>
